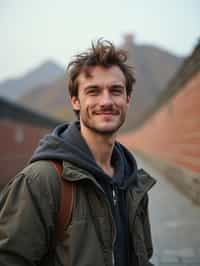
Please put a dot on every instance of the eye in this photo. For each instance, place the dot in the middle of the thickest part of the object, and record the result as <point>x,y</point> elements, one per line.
<point>117,90</point>
<point>92,91</point>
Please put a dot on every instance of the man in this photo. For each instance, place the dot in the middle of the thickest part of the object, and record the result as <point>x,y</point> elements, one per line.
<point>109,222</point>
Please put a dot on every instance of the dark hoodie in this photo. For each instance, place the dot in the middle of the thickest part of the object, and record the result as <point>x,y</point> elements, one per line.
<point>66,143</point>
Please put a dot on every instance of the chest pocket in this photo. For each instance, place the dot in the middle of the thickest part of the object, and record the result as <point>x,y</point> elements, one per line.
<point>89,202</point>
<point>89,234</point>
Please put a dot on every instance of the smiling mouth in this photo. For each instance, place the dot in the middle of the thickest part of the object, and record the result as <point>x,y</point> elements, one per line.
<point>107,113</point>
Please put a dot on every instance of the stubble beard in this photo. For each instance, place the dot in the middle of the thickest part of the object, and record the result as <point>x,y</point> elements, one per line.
<point>104,132</point>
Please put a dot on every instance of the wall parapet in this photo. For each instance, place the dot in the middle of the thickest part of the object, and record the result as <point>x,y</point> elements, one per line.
<point>186,181</point>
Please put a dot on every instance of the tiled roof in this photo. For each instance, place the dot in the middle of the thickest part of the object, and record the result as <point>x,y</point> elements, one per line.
<point>13,111</point>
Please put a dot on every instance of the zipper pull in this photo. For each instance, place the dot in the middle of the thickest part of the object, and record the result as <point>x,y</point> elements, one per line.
<point>114,195</point>
<point>113,259</point>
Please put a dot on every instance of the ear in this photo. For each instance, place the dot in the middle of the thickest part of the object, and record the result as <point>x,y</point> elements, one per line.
<point>128,99</point>
<point>75,103</point>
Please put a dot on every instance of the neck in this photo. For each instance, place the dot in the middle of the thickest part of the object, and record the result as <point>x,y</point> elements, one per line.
<point>101,147</point>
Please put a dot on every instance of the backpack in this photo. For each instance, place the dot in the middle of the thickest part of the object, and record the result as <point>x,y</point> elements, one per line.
<point>67,190</point>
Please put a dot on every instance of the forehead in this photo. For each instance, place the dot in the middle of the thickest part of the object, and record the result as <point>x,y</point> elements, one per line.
<point>99,74</point>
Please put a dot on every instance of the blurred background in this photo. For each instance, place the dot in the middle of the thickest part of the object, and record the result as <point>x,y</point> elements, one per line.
<point>162,38</point>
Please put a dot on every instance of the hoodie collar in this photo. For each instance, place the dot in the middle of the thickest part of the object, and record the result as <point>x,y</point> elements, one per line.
<point>66,143</point>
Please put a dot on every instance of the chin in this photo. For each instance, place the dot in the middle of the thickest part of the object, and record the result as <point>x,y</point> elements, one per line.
<point>108,130</point>
<point>103,127</point>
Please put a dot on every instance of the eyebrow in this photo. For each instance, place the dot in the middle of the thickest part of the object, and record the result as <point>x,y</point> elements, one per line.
<point>92,87</point>
<point>111,86</point>
<point>118,85</point>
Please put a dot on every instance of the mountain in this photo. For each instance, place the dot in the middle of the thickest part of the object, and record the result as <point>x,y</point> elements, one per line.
<point>51,99</point>
<point>44,74</point>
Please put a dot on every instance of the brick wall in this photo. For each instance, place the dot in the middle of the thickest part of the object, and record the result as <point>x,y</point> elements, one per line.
<point>18,141</point>
<point>173,133</point>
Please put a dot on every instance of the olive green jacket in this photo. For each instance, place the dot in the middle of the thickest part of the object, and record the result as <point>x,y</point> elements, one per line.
<point>28,208</point>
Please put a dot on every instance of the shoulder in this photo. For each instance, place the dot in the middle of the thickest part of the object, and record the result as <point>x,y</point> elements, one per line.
<point>42,179</point>
<point>35,188</point>
<point>41,170</point>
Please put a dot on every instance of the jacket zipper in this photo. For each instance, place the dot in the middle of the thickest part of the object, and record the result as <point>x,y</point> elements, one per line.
<point>114,196</point>
<point>113,221</point>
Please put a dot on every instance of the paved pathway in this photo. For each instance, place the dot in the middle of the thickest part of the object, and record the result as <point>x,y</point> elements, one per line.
<point>175,224</point>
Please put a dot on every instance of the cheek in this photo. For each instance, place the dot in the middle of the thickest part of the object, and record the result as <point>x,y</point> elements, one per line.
<point>122,103</point>
<point>87,106</point>
<point>91,103</point>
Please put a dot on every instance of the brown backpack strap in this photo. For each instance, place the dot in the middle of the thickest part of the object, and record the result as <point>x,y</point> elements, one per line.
<point>66,202</point>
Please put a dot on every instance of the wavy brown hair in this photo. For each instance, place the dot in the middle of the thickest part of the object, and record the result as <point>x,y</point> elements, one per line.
<point>102,53</point>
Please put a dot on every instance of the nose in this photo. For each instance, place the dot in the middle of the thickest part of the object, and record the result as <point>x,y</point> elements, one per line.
<point>106,99</point>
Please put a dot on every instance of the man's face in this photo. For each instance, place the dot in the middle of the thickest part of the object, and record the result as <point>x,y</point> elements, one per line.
<point>102,99</point>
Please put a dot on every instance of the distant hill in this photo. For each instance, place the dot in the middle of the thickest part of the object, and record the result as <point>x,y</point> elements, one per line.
<point>154,68</point>
<point>50,99</point>
<point>46,73</point>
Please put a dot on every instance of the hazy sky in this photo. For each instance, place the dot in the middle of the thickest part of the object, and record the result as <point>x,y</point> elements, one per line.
<point>33,31</point>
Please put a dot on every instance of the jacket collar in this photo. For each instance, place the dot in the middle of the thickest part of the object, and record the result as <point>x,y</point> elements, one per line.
<point>73,173</point>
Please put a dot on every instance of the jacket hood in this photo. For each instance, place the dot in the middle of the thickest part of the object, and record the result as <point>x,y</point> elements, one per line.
<point>66,143</point>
